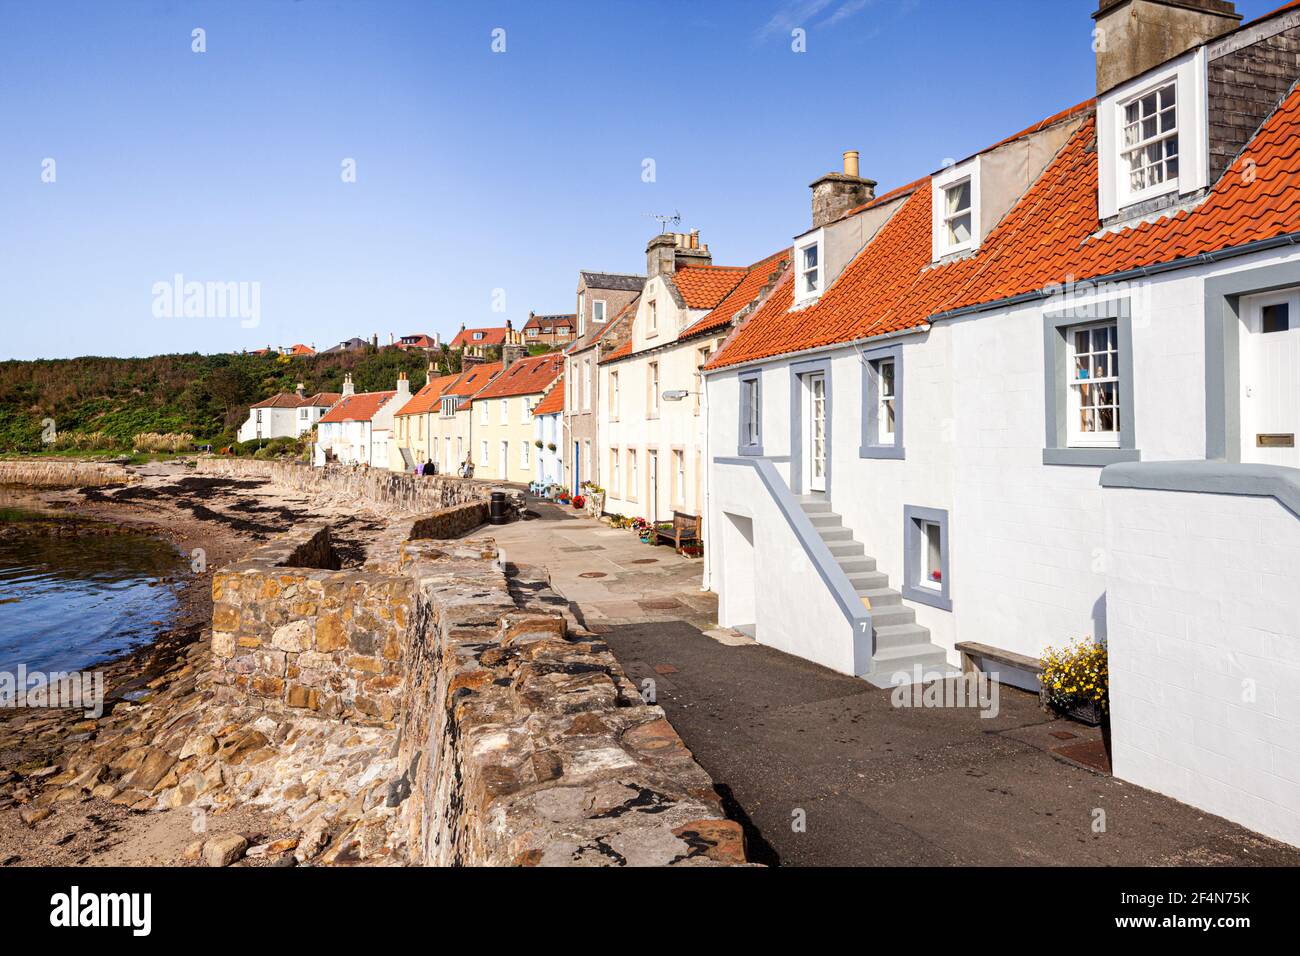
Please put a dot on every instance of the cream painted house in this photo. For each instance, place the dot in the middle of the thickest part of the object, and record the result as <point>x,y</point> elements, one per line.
<point>651,410</point>
<point>501,428</point>
<point>436,423</point>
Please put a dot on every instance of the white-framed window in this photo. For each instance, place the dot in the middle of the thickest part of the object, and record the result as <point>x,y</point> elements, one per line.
<point>598,310</point>
<point>613,395</point>
<point>586,459</point>
<point>926,560</point>
<point>525,409</point>
<point>630,495</point>
<point>532,330</point>
<point>886,399</point>
<point>679,476</point>
<point>651,317</point>
<point>931,556</point>
<point>523,454</point>
<point>483,413</point>
<point>1093,370</point>
<point>478,336</point>
<point>483,452</point>
<point>505,411</point>
<point>586,384</point>
<point>582,312</point>
<point>652,382</point>
<point>1152,137</point>
<point>751,431</point>
<point>615,473</point>
<point>1149,139</point>
<point>955,202</point>
<point>810,268</point>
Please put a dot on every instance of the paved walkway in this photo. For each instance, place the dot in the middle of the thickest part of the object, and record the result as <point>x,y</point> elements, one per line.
<point>823,770</point>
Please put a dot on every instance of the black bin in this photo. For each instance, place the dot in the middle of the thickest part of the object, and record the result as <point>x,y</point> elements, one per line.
<point>498,510</point>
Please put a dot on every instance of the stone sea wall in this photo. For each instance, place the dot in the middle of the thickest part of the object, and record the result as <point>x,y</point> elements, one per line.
<point>390,490</point>
<point>289,632</point>
<point>59,473</point>
<point>525,744</point>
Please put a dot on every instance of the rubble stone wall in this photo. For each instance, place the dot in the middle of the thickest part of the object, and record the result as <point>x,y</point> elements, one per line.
<point>290,633</point>
<point>390,490</point>
<point>525,744</point>
<point>43,473</point>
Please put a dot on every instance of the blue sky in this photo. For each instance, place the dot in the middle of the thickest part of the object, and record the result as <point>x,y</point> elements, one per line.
<point>476,170</point>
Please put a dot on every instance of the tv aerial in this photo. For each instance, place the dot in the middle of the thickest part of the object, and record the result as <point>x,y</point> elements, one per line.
<point>664,220</point>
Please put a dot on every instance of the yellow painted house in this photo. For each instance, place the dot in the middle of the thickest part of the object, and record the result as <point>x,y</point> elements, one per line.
<point>501,427</point>
<point>436,424</point>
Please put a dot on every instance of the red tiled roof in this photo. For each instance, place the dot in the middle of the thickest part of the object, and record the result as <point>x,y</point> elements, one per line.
<point>525,376</point>
<point>300,349</point>
<point>745,292</point>
<point>416,340</point>
<point>491,336</point>
<point>1046,239</point>
<point>551,323</point>
<point>428,397</point>
<point>553,401</point>
<point>291,400</point>
<point>623,351</point>
<point>703,287</point>
<point>360,407</point>
<point>473,378</point>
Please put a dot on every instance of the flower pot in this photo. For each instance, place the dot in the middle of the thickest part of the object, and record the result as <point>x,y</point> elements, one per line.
<point>1087,712</point>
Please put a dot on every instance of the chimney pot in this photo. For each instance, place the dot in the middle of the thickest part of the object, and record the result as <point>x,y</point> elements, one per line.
<point>851,163</point>
<point>834,194</point>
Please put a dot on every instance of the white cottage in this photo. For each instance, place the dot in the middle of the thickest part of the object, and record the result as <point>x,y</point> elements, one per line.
<point>359,428</point>
<point>286,415</point>
<point>1051,391</point>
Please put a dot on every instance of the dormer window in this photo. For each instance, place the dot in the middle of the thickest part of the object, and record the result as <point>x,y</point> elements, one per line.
<point>1152,144</point>
<point>478,336</point>
<point>956,208</point>
<point>810,269</point>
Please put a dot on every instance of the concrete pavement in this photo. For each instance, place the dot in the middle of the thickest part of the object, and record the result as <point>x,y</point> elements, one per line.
<point>822,769</point>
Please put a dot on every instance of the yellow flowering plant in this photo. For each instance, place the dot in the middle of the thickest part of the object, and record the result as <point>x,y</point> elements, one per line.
<point>1076,675</point>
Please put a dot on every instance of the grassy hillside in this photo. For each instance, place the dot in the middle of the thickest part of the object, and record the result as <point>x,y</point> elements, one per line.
<point>206,396</point>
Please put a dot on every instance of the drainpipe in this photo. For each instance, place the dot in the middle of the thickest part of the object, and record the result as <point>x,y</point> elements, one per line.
<point>706,532</point>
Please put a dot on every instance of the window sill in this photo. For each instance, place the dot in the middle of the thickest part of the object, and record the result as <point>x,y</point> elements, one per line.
<point>881,451</point>
<point>928,596</point>
<point>750,451</point>
<point>1089,457</point>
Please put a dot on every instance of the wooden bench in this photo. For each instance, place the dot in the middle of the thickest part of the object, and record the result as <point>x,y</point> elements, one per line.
<point>685,529</point>
<point>1018,670</point>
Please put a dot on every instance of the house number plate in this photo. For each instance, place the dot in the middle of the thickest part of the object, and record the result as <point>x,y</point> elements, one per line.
<point>1275,441</point>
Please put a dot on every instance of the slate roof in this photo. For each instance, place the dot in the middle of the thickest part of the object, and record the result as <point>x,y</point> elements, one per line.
<point>617,281</point>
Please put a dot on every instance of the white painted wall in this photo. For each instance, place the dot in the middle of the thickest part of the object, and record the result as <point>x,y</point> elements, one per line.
<point>1204,624</point>
<point>1027,539</point>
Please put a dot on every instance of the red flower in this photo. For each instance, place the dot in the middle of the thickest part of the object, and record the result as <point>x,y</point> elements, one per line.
<point>936,576</point>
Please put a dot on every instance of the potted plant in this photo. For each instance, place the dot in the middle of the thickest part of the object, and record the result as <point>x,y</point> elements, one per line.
<point>1075,681</point>
<point>595,496</point>
<point>538,443</point>
<point>578,502</point>
<point>550,446</point>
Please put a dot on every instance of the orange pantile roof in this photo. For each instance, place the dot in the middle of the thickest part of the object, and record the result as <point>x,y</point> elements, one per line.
<point>525,376</point>
<point>552,402</point>
<point>491,336</point>
<point>291,400</point>
<point>428,397</point>
<point>473,378</point>
<point>703,287</point>
<point>1046,240</point>
<point>746,291</point>
<point>300,349</point>
<point>360,407</point>
<point>623,351</point>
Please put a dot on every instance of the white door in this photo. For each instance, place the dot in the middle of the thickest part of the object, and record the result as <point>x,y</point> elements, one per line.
<point>1270,379</point>
<point>814,429</point>
<point>505,459</point>
<point>652,480</point>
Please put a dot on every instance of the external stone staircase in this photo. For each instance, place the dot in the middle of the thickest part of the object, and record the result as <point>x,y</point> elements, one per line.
<point>900,643</point>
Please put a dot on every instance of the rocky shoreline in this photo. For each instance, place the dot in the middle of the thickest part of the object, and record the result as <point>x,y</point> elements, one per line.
<point>78,791</point>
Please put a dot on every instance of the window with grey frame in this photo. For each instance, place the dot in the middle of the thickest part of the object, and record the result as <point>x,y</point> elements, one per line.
<point>751,405</point>
<point>1088,385</point>
<point>926,576</point>
<point>882,403</point>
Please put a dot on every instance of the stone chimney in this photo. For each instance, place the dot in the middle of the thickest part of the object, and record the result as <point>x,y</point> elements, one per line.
<point>669,251</point>
<point>1132,36</point>
<point>836,193</point>
<point>511,353</point>
<point>347,385</point>
<point>403,390</point>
